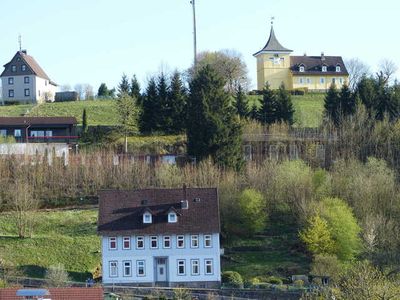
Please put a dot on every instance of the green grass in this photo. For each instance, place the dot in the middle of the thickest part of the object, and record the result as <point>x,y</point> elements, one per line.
<point>67,237</point>
<point>15,110</point>
<point>308,109</point>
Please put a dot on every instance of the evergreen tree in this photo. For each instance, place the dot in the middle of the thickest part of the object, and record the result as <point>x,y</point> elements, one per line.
<point>367,90</point>
<point>103,91</point>
<point>123,86</point>
<point>213,128</point>
<point>241,103</point>
<point>254,114</point>
<point>347,101</point>
<point>135,90</point>
<point>332,105</point>
<point>177,98</point>
<point>284,106</point>
<point>164,104</point>
<point>84,122</point>
<point>150,108</point>
<point>268,110</point>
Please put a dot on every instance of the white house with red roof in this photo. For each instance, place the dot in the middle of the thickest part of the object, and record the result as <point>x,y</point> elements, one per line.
<point>24,81</point>
<point>160,237</point>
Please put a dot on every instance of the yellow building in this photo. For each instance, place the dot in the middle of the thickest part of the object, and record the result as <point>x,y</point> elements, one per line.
<point>275,66</point>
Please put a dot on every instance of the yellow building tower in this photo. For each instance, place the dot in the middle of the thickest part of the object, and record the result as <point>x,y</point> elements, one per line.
<point>273,64</point>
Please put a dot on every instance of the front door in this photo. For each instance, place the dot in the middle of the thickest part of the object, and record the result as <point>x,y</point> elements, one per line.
<point>161,269</point>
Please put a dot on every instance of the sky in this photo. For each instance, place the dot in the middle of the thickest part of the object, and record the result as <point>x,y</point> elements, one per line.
<point>95,41</point>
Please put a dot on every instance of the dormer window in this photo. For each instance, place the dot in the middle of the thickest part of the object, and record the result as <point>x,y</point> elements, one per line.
<point>172,217</point>
<point>301,68</point>
<point>23,68</point>
<point>324,68</point>
<point>147,218</point>
<point>13,68</point>
<point>337,68</point>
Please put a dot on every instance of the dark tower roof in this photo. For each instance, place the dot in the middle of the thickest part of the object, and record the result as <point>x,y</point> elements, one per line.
<point>273,44</point>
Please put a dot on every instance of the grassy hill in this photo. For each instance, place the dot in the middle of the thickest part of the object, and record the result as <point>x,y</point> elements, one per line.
<point>308,108</point>
<point>69,237</point>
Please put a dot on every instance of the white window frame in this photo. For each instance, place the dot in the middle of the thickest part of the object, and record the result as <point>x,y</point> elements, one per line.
<point>338,69</point>
<point>195,263</point>
<point>126,239</point>
<point>113,266</point>
<point>301,80</point>
<point>208,262</point>
<point>11,94</point>
<point>10,80</point>
<point>17,132</point>
<point>334,80</point>
<point>147,218</point>
<point>27,92</point>
<point>23,68</point>
<point>26,80</point>
<point>138,240</point>
<point>181,263</point>
<point>194,238</point>
<point>127,265</point>
<point>341,80</point>
<point>3,132</point>
<point>172,217</point>
<point>180,238</point>
<point>322,80</point>
<point>324,69</point>
<point>301,69</point>
<point>308,80</point>
<point>166,239</point>
<point>207,238</point>
<point>110,240</point>
<point>140,268</point>
<point>13,68</point>
<point>49,133</point>
<point>152,239</point>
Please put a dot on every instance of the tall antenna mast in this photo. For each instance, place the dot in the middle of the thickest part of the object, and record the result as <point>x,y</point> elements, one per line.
<point>194,33</point>
<point>20,42</point>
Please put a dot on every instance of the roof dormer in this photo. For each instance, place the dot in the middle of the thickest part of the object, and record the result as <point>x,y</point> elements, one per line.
<point>147,216</point>
<point>302,68</point>
<point>338,68</point>
<point>172,215</point>
<point>324,68</point>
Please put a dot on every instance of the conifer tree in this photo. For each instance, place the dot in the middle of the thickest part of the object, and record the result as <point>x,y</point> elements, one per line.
<point>254,114</point>
<point>84,122</point>
<point>241,103</point>
<point>150,109</point>
<point>164,120</point>
<point>123,86</point>
<point>268,110</point>
<point>103,91</point>
<point>332,105</point>
<point>347,101</point>
<point>213,128</point>
<point>135,90</point>
<point>284,107</point>
<point>177,98</point>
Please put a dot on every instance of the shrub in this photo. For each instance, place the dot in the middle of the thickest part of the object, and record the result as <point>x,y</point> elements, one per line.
<point>298,283</point>
<point>274,280</point>
<point>57,276</point>
<point>252,211</point>
<point>232,279</point>
<point>326,265</point>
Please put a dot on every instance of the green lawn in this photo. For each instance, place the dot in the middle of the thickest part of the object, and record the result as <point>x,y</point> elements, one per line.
<point>308,109</point>
<point>15,110</point>
<point>67,237</point>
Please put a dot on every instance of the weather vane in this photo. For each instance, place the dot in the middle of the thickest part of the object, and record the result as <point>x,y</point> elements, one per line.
<point>272,20</point>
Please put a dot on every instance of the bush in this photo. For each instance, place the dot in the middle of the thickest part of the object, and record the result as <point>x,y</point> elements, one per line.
<point>326,265</point>
<point>232,279</point>
<point>298,283</point>
<point>253,212</point>
<point>274,280</point>
<point>57,276</point>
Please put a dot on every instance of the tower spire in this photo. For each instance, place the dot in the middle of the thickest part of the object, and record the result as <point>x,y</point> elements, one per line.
<point>20,42</point>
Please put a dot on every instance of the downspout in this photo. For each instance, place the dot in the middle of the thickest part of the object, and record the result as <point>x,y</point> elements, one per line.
<point>26,133</point>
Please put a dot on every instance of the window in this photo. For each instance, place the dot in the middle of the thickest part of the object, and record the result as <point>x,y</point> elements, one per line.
<point>301,68</point>
<point>147,218</point>
<point>322,80</point>
<point>308,80</point>
<point>337,68</point>
<point>13,68</point>
<point>180,241</point>
<point>195,267</point>
<point>112,243</point>
<point>10,80</point>
<point>27,92</point>
<point>113,269</point>
<point>301,80</point>
<point>3,132</point>
<point>207,241</point>
<point>140,268</point>
<point>208,266</point>
<point>127,268</point>
<point>17,132</point>
<point>324,68</point>
<point>23,68</point>
<point>126,244</point>
<point>26,79</point>
<point>153,242</point>
<point>11,93</point>
<point>167,242</point>
<point>172,217</point>
<point>49,133</point>
<point>333,80</point>
<point>139,242</point>
<point>194,241</point>
<point>181,267</point>
<point>341,80</point>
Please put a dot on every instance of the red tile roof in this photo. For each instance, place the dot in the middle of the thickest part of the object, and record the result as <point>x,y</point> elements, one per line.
<point>121,212</point>
<point>73,293</point>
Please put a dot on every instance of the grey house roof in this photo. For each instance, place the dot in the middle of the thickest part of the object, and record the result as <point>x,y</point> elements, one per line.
<point>313,65</point>
<point>32,67</point>
<point>272,45</point>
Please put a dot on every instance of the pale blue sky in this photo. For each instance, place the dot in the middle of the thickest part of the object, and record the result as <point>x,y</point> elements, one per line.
<point>94,41</point>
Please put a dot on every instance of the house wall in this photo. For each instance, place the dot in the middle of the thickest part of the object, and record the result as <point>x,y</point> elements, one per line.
<point>19,87</point>
<point>315,81</point>
<point>173,254</point>
<point>44,90</point>
<point>272,72</point>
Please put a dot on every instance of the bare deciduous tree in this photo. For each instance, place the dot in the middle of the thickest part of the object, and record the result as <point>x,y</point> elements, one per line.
<point>357,69</point>
<point>57,276</point>
<point>387,68</point>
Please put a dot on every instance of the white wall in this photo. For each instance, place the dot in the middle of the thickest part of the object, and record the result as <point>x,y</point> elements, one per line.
<point>147,254</point>
<point>44,87</point>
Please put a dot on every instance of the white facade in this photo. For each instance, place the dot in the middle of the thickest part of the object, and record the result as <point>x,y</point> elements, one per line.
<point>27,89</point>
<point>169,263</point>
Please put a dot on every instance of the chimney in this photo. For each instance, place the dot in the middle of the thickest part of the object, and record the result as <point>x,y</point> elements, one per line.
<point>24,51</point>
<point>184,202</point>
<point>322,56</point>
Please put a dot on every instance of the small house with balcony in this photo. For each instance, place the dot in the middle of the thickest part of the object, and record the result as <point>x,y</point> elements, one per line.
<point>39,129</point>
<point>160,237</point>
